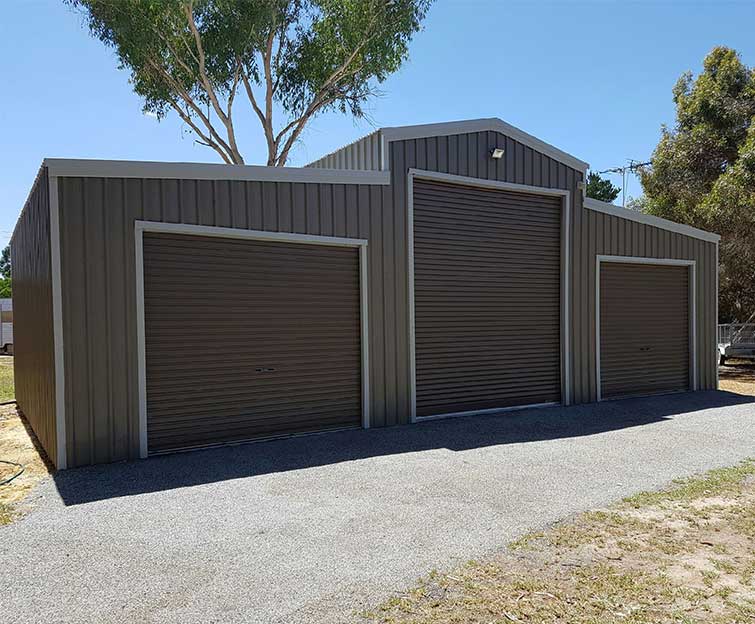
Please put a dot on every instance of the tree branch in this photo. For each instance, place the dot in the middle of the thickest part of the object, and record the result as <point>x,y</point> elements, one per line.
<point>250,95</point>
<point>184,95</point>
<point>204,79</point>
<point>322,98</point>
<point>278,56</point>
<point>272,146</point>
<point>234,87</point>
<point>205,139</point>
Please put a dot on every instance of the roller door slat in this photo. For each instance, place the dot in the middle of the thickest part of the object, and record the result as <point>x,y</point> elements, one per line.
<point>487,280</point>
<point>247,339</point>
<point>644,329</point>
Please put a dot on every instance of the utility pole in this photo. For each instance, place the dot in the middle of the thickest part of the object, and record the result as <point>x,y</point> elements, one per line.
<point>632,166</point>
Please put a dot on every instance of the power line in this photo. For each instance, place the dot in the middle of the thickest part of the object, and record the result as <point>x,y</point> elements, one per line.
<point>632,166</point>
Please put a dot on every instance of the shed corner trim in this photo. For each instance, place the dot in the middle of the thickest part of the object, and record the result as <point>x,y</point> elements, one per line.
<point>61,455</point>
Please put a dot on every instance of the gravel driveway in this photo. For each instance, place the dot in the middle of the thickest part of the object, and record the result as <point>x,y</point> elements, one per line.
<point>313,529</point>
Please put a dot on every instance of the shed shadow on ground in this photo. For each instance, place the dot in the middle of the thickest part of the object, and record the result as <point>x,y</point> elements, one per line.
<point>84,485</point>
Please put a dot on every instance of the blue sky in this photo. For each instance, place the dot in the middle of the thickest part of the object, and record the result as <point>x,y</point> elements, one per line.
<point>592,78</point>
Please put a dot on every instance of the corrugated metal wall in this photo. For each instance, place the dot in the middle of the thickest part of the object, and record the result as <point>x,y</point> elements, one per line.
<point>593,233</point>
<point>598,233</point>
<point>365,154</point>
<point>97,248</point>
<point>98,270</point>
<point>469,155</point>
<point>34,359</point>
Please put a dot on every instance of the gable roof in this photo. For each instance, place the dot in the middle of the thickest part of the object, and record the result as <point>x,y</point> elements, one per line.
<point>370,151</point>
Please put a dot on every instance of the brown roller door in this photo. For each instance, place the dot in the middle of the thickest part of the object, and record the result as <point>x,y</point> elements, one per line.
<point>487,282</point>
<point>247,339</point>
<point>644,329</point>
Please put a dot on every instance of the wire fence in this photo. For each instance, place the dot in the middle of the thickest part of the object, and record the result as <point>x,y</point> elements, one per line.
<point>736,333</point>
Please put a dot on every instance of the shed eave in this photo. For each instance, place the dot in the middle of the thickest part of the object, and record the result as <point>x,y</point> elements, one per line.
<point>92,168</point>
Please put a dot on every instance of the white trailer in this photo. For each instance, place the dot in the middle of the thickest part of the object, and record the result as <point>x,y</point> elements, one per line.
<point>736,340</point>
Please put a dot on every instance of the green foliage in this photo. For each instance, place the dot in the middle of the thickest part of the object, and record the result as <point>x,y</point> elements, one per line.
<point>703,170</point>
<point>640,204</point>
<point>5,287</point>
<point>306,55</point>
<point>5,262</point>
<point>600,188</point>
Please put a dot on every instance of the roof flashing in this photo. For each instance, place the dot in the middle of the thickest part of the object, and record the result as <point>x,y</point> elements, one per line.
<point>75,168</point>
<point>489,124</point>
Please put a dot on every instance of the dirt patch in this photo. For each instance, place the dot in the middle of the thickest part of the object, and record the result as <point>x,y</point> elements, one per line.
<point>18,444</point>
<point>683,555</point>
<point>737,376</point>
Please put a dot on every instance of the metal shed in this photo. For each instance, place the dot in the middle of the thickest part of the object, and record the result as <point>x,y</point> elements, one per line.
<point>408,276</point>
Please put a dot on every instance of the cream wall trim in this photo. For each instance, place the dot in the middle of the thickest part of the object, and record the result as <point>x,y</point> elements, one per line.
<point>61,459</point>
<point>494,184</point>
<point>565,286</point>
<point>208,171</point>
<point>641,217</point>
<point>410,296</point>
<point>692,296</point>
<point>224,232</point>
<point>364,297</point>
<point>200,230</point>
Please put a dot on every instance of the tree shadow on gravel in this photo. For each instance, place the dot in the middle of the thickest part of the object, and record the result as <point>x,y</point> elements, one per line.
<point>92,483</point>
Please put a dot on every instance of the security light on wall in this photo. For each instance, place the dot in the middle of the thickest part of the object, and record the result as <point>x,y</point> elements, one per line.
<point>496,152</point>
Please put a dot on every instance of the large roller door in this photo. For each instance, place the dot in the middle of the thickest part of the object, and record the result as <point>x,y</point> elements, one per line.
<point>247,339</point>
<point>644,329</point>
<point>487,291</point>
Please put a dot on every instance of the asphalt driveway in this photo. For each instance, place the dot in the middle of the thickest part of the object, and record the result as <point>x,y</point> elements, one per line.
<point>313,529</point>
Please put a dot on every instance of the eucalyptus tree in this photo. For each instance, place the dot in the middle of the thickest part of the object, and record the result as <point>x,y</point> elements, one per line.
<point>199,58</point>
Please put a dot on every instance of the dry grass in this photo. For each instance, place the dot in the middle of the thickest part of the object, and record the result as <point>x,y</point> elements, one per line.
<point>683,555</point>
<point>7,391</point>
<point>737,376</point>
<point>17,444</point>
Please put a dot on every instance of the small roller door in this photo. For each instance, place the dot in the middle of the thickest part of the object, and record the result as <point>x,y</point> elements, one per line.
<point>644,329</point>
<point>247,339</point>
<point>487,282</point>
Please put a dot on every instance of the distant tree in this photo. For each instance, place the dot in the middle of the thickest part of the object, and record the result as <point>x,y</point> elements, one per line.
<point>5,262</point>
<point>703,170</point>
<point>638,204</point>
<point>600,188</point>
<point>5,287</point>
<point>306,56</point>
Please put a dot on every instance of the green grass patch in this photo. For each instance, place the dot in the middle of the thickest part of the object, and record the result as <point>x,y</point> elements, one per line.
<point>7,388</point>
<point>7,514</point>
<point>720,482</point>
